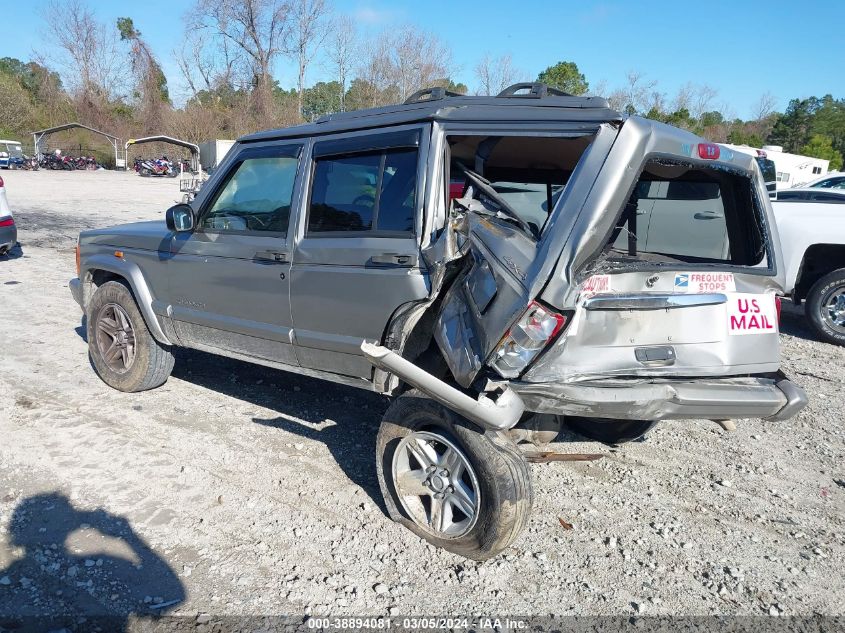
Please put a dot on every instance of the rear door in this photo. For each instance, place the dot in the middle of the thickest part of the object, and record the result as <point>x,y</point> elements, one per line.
<point>229,281</point>
<point>357,258</point>
<point>693,295</point>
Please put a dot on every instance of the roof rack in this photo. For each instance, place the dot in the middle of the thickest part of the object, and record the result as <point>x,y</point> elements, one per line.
<point>535,90</point>
<point>431,94</point>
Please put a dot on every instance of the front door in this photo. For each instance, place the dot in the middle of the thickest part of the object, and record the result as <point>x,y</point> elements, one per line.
<point>358,256</point>
<point>230,278</point>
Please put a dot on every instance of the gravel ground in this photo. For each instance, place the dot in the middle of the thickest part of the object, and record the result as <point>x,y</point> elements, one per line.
<point>236,489</point>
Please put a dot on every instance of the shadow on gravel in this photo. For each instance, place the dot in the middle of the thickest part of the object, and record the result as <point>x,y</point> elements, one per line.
<point>55,587</point>
<point>304,405</point>
<point>793,322</point>
<point>13,253</point>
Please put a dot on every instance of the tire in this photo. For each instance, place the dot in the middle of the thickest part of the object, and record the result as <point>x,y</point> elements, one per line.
<point>609,431</point>
<point>825,307</point>
<point>145,172</point>
<point>493,464</point>
<point>149,362</point>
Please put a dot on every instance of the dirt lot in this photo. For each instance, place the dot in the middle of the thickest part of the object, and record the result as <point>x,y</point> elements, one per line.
<point>235,489</point>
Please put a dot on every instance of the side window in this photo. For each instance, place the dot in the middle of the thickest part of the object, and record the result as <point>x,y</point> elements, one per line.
<point>364,192</point>
<point>256,197</point>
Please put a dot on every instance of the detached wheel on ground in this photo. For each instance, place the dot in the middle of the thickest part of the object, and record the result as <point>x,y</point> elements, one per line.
<point>459,488</point>
<point>825,307</point>
<point>122,350</point>
<point>609,431</point>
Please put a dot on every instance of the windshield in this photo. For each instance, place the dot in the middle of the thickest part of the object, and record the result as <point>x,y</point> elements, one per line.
<point>532,201</point>
<point>13,149</point>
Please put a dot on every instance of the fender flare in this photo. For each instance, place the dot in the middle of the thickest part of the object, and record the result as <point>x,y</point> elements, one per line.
<point>135,278</point>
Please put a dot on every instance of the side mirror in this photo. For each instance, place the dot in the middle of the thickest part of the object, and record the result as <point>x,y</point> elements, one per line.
<point>180,218</point>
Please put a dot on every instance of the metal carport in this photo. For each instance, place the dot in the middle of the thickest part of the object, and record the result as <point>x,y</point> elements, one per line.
<point>38,136</point>
<point>195,150</point>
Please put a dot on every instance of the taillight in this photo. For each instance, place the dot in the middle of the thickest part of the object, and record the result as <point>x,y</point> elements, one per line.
<point>7,222</point>
<point>528,337</point>
<point>777,307</point>
<point>1,181</point>
<point>78,267</point>
<point>708,151</point>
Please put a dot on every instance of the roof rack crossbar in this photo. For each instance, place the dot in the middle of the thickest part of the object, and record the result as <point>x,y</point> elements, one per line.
<point>535,90</point>
<point>431,94</point>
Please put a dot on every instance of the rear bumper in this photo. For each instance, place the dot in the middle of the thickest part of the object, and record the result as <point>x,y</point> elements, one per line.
<point>76,290</point>
<point>774,398</point>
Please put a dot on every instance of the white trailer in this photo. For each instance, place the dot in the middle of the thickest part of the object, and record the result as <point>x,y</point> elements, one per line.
<point>793,170</point>
<point>213,152</point>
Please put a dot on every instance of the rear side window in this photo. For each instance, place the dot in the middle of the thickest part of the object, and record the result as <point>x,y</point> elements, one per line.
<point>684,214</point>
<point>373,192</point>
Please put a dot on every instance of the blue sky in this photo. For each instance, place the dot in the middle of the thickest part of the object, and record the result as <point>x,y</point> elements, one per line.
<point>741,48</point>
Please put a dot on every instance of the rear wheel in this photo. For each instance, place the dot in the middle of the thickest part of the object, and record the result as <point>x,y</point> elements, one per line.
<point>609,431</point>
<point>122,350</point>
<point>825,307</point>
<point>461,489</point>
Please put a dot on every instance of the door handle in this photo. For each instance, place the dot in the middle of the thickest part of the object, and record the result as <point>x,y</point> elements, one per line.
<point>272,256</point>
<point>708,216</point>
<point>393,259</point>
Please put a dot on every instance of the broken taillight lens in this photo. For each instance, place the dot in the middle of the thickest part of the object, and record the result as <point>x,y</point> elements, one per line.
<point>528,337</point>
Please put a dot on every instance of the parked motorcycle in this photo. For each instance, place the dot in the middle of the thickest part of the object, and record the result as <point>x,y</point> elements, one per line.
<point>158,167</point>
<point>30,163</point>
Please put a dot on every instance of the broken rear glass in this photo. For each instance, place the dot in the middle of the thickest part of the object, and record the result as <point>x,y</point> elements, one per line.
<point>683,213</point>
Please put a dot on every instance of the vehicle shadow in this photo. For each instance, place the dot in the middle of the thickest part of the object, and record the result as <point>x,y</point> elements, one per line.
<point>343,418</point>
<point>54,586</point>
<point>13,253</point>
<point>793,322</point>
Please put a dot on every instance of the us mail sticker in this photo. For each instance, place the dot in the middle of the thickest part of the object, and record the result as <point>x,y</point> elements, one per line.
<point>704,282</point>
<point>752,314</point>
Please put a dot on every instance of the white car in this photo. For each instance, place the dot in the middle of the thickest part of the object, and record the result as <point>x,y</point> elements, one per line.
<point>811,194</point>
<point>8,230</point>
<point>812,237</point>
<point>832,180</point>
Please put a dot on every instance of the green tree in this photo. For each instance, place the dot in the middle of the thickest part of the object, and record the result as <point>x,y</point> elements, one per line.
<point>741,135</point>
<point>820,146</point>
<point>793,129</point>
<point>15,106</point>
<point>152,84</point>
<point>565,76</point>
<point>321,98</point>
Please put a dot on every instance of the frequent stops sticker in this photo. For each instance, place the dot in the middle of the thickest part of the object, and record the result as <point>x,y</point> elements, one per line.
<point>596,284</point>
<point>704,282</point>
<point>752,314</point>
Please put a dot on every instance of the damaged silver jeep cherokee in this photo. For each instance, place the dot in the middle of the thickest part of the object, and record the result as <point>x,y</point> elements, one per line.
<point>482,259</point>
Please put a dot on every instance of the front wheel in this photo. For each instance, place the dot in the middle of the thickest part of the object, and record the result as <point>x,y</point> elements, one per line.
<point>122,350</point>
<point>461,489</point>
<point>825,307</point>
<point>609,431</point>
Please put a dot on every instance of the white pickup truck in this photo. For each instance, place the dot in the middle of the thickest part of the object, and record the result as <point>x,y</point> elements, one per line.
<point>812,237</point>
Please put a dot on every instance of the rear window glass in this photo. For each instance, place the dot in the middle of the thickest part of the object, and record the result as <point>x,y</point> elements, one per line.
<point>683,214</point>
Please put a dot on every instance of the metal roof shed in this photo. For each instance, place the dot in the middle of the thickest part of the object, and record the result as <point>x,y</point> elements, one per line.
<point>195,149</point>
<point>38,136</point>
